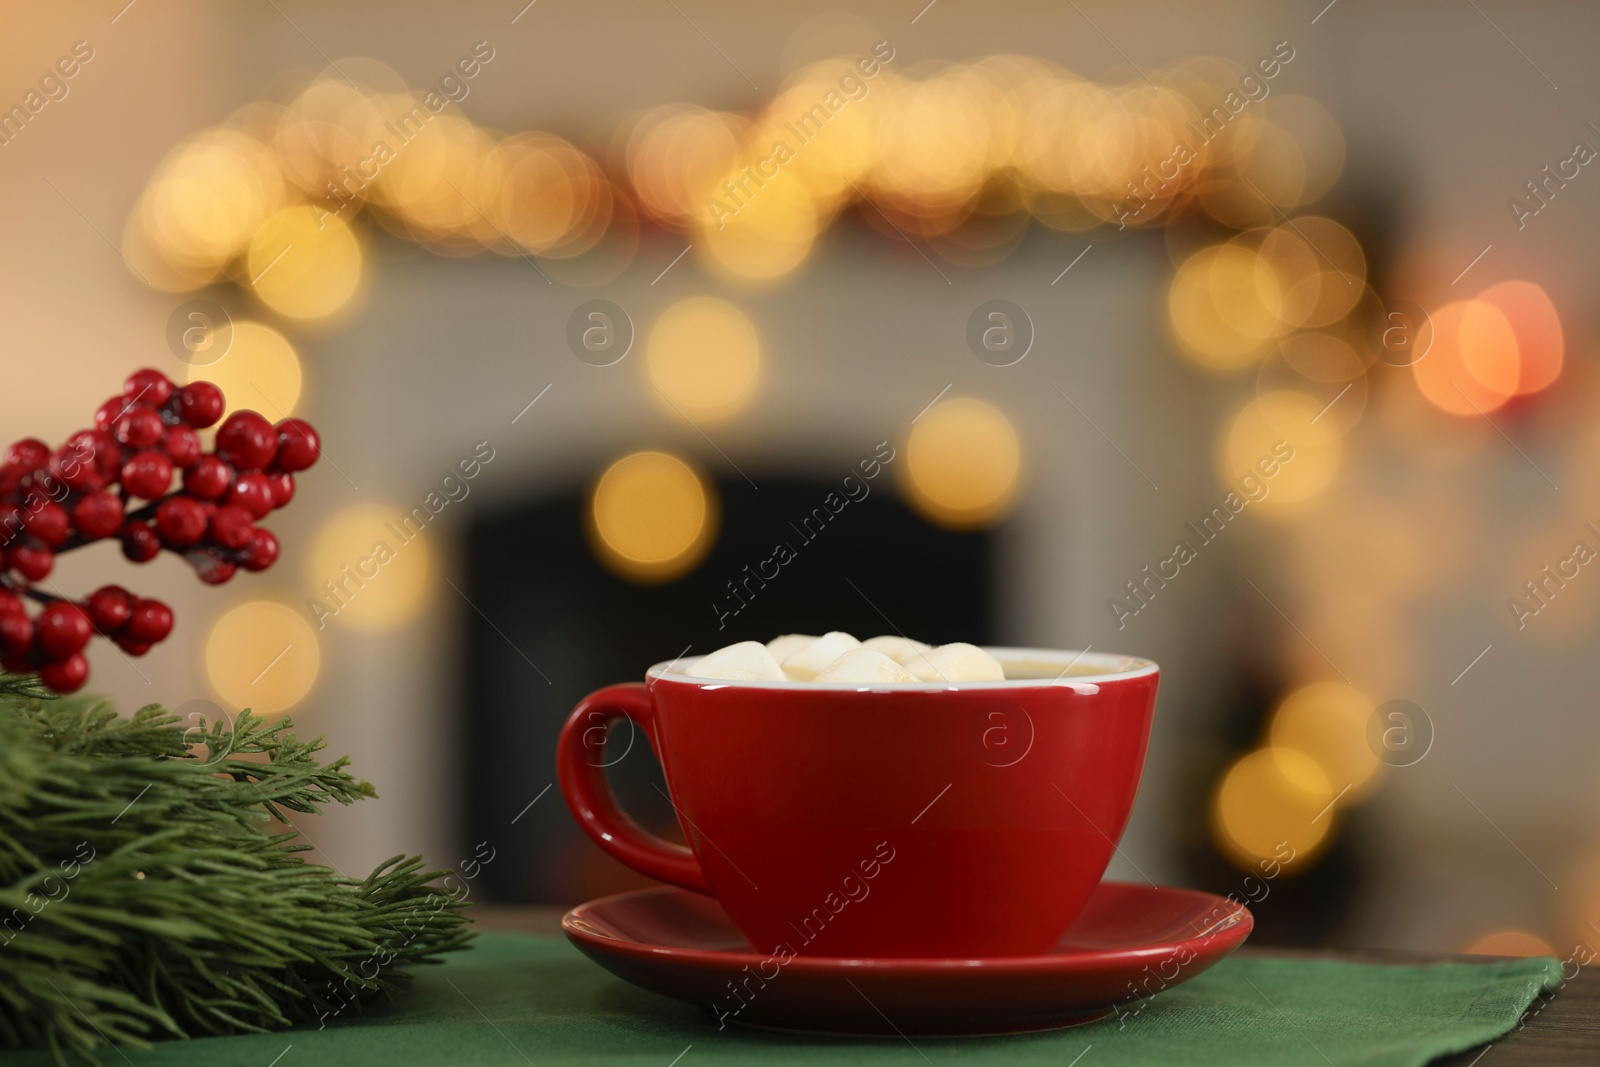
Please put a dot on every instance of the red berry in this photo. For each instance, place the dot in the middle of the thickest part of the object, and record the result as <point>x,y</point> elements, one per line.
<point>75,463</point>
<point>150,622</point>
<point>98,514</point>
<point>149,387</point>
<point>298,445</point>
<point>208,478</point>
<point>10,603</point>
<point>261,552</point>
<point>212,570</point>
<point>11,475</point>
<point>33,562</point>
<point>66,676</point>
<point>147,475</point>
<point>182,446</point>
<point>140,542</point>
<point>253,492</point>
<point>109,456</point>
<point>109,608</point>
<point>181,521</point>
<point>11,519</point>
<point>200,404</point>
<point>17,662</point>
<point>16,633</point>
<point>49,523</point>
<point>282,487</point>
<point>64,628</point>
<point>30,453</point>
<point>247,440</point>
<point>231,526</point>
<point>106,414</point>
<point>129,645</point>
<point>138,427</point>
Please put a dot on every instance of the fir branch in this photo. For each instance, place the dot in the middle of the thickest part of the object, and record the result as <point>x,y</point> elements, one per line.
<point>144,894</point>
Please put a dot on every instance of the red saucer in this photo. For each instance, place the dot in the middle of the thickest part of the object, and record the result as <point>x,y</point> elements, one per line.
<point>1130,941</point>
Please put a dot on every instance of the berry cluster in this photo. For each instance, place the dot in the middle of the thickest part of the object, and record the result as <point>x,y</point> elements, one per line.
<point>117,480</point>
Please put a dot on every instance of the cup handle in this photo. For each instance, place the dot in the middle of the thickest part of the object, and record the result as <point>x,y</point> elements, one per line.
<point>583,783</point>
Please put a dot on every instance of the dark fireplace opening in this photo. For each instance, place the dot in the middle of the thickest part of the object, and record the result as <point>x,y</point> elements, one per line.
<point>550,624</point>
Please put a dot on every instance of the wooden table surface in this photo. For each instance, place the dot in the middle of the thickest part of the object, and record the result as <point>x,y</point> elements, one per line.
<point>1566,1030</point>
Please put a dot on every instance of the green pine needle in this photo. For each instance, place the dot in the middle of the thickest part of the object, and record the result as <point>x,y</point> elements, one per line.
<point>142,895</point>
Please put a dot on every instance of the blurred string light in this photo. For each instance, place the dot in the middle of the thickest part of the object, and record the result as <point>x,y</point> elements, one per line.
<point>371,566</point>
<point>259,372</point>
<point>963,463</point>
<point>652,517</point>
<point>704,359</point>
<point>1328,722</point>
<point>958,154</point>
<point>303,266</point>
<point>263,656</point>
<point>1272,804</point>
<point>1229,303</point>
<point>1265,429</point>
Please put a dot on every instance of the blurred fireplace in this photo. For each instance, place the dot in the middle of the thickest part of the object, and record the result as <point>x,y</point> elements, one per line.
<point>563,626</point>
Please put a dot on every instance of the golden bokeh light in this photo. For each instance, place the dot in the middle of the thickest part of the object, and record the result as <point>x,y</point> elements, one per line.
<point>704,358</point>
<point>1224,308</point>
<point>652,517</point>
<point>1284,432</point>
<point>1319,364</point>
<point>963,463</point>
<point>304,262</point>
<point>1343,268</point>
<point>1509,943</point>
<point>259,372</point>
<point>371,566</point>
<point>764,232</point>
<point>207,198</point>
<point>830,167</point>
<point>1272,804</point>
<point>1328,722</point>
<point>263,656</point>
<point>541,198</point>
<point>1269,176</point>
<point>919,148</point>
<point>1293,268</point>
<point>678,154</point>
<point>934,146</point>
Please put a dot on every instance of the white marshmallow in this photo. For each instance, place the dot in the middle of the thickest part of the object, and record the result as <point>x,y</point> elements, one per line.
<point>787,645</point>
<point>957,662</point>
<point>747,661</point>
<point>900,649</point>
<point>864,665</point>
<point>803,666</point>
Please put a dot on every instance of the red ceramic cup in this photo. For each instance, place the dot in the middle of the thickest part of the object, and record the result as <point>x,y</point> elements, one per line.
<point>964,820</point>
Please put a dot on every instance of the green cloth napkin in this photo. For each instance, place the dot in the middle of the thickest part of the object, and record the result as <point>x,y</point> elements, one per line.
<point>513,1000</point>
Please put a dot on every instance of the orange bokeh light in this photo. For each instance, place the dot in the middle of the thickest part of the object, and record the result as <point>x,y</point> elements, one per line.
<point>1472,367</point>
<point>1533,320</point>
<point>1505,342</point>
